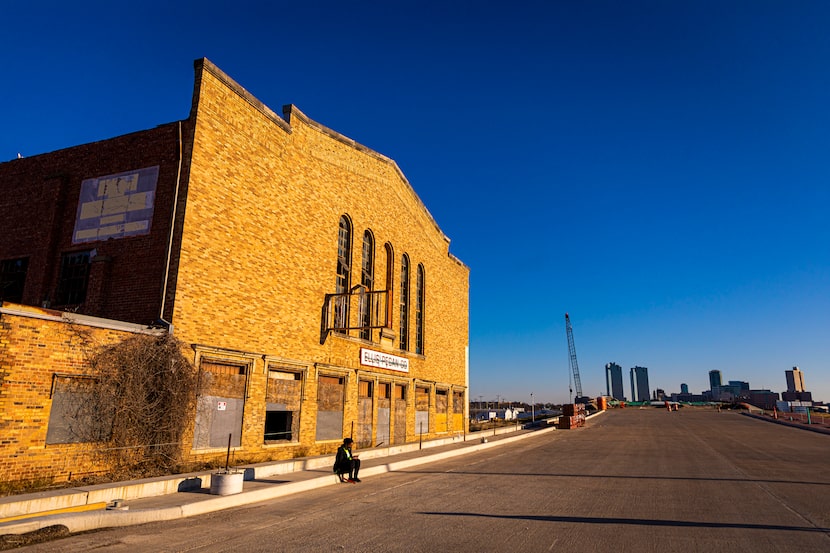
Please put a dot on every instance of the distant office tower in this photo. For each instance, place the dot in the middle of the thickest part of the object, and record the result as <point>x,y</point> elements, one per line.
<point>739,385</point>
<point>613,381</point>
<point>795,380</point>
<point>639,384</point>
<point>684,388</point>
<point>715,380</point>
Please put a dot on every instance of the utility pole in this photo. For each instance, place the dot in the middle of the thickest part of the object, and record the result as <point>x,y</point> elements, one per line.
<point>532,409</point>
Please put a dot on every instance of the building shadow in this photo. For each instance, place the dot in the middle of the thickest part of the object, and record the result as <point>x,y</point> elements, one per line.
<point>618,477</point>
<point>636,522</point>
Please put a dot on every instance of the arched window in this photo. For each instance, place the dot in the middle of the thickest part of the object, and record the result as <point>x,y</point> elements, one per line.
<point>390,282</point>
<point>404,328</point>
<point>367,279</point>
<point>344,261</point>
<point>419,310</point>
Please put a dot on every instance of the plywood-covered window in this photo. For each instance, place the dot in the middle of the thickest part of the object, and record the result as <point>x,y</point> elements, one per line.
<point>69,419</point>
<point>458,402</point>
<point>441,410</point>
<point>421,410</point>
<point>220,407</point>
<point>365,399</point>
<point>458,410</point>
<point>399,413</point>
<point>283,397</point>
<point>330,401</point>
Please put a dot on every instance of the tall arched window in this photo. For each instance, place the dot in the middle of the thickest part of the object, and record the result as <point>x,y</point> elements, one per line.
<point>390,284</point>
<point>419,310</point>
<point>344,261</point>
<point>404,329</point>
<point>367,279</point>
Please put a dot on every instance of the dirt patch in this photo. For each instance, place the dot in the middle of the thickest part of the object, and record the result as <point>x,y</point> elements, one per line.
<point>13,541</point>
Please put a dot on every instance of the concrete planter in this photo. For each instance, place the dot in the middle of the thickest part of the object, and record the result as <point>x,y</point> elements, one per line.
<point>226,483</point>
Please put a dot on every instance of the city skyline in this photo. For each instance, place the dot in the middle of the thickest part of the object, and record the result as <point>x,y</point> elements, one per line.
<point>658,170</point>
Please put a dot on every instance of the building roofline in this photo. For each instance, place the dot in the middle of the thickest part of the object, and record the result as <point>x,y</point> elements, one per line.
<point>291,111</point>
<point>54,315</point>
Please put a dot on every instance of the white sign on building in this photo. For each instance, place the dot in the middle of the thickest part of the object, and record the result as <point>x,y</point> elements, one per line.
<point>382,360</point>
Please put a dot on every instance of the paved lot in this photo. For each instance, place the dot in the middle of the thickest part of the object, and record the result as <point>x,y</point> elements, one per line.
<point>633,480</point>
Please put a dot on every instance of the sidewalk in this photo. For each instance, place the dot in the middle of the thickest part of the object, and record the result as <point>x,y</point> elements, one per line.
<point>158,499</point>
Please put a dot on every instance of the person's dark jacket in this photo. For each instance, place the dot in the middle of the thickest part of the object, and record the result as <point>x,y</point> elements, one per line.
<point>343,460</point>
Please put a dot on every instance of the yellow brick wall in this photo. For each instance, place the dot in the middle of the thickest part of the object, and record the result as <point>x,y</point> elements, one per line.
<point>259,245</point>
<point>33,347</point>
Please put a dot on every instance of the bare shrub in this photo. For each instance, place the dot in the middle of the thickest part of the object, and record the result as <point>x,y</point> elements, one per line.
<point>140,403</point>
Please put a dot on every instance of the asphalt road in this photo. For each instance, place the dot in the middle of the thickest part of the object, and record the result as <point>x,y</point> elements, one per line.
<point>633,480</point>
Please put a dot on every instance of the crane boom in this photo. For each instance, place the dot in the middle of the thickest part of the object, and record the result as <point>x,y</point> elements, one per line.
<point>572,358</point>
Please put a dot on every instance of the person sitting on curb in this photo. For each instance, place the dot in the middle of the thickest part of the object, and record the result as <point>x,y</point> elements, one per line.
<point>346,463</point>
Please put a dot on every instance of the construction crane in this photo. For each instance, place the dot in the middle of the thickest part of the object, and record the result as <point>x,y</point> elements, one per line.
<point>572,361</point>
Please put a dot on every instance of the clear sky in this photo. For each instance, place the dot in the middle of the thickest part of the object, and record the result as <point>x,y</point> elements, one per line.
<point>657,168</point>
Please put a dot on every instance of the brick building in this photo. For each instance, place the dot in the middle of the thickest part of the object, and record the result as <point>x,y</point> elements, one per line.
<point>317,292</point>
<point>41,363</point>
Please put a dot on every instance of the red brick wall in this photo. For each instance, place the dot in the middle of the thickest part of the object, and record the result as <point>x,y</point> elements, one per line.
<point>39,198</point>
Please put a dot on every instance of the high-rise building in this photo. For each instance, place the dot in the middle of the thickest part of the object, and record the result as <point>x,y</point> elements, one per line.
<point>795,380</point>
<point>613,381</point>
<point>684,388</point>
<point>639,384</point>
<point>715,380</point>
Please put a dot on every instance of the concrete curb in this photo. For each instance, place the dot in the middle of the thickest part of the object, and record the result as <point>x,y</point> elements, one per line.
<point>791,424</point>
<point>80,522</point>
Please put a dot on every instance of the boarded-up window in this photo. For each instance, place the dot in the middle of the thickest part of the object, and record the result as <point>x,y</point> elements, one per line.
<point>441,408</point>
<point>283,395</point>
<point>384,413</point>
<point>458,402</point>
<point>364,413</point>
<point>422,399</point>
<point>329,407</point>
<point>219,410</point>
<point>399,406</point>
<point>457,410</point>
<point>69,419</point>
<point>421,410</point>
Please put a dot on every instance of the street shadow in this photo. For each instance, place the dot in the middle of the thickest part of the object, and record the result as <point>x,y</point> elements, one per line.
<point>637,522</point>
<point>618,477</point>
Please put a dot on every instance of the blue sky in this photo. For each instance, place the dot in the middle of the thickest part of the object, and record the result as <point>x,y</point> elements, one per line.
<point>658,169</point>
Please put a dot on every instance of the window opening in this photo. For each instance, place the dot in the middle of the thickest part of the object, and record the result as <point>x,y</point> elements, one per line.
<point>282,406</point>
<point>419,311</point>
<point>367,279</point>
<point>404,323</point>
<point>344,260</point>
<point>73,278</point>
<point>390,282</point>
<point>12,279</point>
